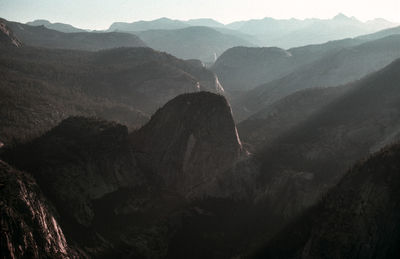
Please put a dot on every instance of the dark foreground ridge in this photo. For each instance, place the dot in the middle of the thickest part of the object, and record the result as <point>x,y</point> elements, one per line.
<point>359,218</point>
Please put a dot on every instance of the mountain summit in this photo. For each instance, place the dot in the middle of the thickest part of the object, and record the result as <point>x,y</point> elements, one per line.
<point>192,140</point>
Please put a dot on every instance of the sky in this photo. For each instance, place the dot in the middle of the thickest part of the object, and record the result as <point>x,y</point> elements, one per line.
<point>100,14</point>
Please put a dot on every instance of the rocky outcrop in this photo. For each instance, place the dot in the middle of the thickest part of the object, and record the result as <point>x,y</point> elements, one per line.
<point>29,226</point>
<point>7,37</point>
<point>190,142</point>
<point>79,161</point>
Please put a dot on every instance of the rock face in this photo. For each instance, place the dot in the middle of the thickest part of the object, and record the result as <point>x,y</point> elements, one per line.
<point>191,141</point>
<point>29,228</point>
<point>359,218</point>
<point>121,194</point>
<point>7,37</point>
<point>78,161</point>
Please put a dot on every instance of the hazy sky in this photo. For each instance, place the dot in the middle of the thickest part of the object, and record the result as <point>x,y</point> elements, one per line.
<point>99,14</point>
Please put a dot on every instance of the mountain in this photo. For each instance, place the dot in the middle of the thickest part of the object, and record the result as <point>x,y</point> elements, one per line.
<point>124,85</point>
<point>94,172</point>
<point>195,42</point>
<point>76,163</point>
<point>62,27</point>
<point>336,68</point>
<point>305,159</point>
<point>158,24</point>
<point>358,218</point>
<point>205,22</point>
<point>292,33</point>
<point>380,23</point>
<point>244,68</point>
<point>380,34</point>
<point>29,226</point>
<point>40,36</point>
<point>197,151</point>
<point>7,37</point>
<point>163,24</point>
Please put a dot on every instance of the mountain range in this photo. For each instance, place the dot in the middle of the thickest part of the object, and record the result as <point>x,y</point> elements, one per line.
<point>62,27</point>
<point>336,67</point>
<point>170,35</point>
<point>122,84</point>
<point>109,150</point>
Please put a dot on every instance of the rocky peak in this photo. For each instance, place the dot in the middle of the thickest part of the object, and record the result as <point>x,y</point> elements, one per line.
<point>29,228</point>
<point>190,142</point>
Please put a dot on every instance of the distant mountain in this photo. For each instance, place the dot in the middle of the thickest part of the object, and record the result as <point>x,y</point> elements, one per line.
<point>293,32</point>
<point>62,27</point>
<point>40,36</point>
<point>202,43</point>
<point>163,24</point>
<point>158,24</point>
<point>380,34</point>
<point>335,68</point>
<point>243,68</point>
<point>359,218</point>
<point>204,22</point>
<point>379,24</point>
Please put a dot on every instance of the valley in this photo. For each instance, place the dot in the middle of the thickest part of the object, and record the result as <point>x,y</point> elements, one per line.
<point>266,138</point>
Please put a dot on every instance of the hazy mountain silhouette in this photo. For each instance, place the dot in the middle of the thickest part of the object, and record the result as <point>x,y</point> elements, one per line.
<point>243,68</point>
<point>380,34</point>
<point>40,36</point>
<point>335,68</point>
<point>62,27</point>
<point>294,32</point>
<point>202,43</point>
<point>204,22</point>
<point>158,24</point>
